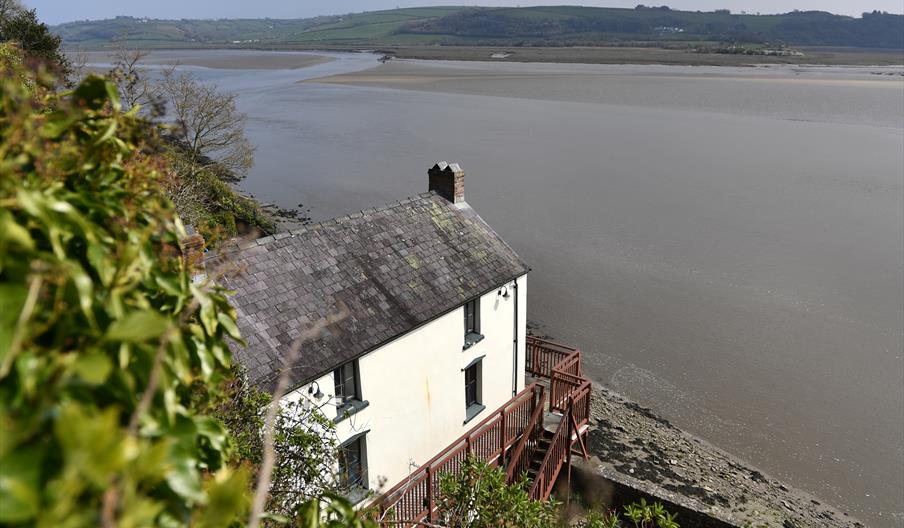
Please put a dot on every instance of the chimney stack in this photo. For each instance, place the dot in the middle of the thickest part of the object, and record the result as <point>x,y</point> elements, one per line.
<point>448,180</point>
<point>193,247</point>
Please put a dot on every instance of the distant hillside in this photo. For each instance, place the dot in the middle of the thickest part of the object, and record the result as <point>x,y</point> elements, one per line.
<point>354,29</point>
<point>531,26</point>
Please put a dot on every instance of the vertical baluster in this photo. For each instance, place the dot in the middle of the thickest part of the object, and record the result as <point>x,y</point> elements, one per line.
<point>430,498</point>
<point>502,438</point>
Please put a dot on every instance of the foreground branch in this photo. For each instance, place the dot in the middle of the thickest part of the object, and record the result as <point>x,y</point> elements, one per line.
<point>262,488</point>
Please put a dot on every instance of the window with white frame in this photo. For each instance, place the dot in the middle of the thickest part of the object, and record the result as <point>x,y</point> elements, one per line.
<point>353,465</point>
<point>348,390</point>
<point>472,322</point>
<point>473,390</point>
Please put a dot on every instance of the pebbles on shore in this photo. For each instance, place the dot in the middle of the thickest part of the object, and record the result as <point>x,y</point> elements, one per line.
<point>632,444</point>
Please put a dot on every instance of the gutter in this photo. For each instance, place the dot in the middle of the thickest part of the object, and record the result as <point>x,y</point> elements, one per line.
<point>515,343</point>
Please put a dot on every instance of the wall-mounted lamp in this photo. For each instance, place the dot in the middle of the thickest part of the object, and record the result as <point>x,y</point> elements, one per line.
<point>504,292</point>
<point>311,391</point>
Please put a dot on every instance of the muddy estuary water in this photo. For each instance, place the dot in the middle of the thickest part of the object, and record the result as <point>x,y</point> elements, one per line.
<point>724,243</point>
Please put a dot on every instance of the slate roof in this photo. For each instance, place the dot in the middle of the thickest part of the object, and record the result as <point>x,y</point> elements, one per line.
<point>394,268</point>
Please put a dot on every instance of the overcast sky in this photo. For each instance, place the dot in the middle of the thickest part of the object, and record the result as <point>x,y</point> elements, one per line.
<point>57,11</point>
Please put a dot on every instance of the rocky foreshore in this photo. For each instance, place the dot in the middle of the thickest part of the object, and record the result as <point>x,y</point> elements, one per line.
<point>632,446</point>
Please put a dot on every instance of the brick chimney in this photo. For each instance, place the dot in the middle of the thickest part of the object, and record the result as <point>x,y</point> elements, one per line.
<point>448,180</point>
<point>193,253</point>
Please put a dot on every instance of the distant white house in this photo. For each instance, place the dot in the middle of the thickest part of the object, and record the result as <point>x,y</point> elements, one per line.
<point>434,337</point>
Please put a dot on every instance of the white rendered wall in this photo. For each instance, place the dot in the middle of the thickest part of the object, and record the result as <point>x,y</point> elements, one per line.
<point>415,386</point>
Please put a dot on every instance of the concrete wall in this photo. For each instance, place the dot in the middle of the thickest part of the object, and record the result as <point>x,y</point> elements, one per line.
<point>595,490</point>
<point>415,386</point>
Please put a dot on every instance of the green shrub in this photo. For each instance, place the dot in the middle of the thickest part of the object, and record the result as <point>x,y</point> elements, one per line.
<point>640,514</point>
<point>104,339</point>
<point>480,497</point>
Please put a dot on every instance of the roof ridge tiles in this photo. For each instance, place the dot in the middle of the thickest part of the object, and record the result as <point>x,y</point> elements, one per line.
<point>303,228</point>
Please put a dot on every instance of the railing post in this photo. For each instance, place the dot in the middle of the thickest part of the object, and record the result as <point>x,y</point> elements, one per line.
<point>430,498</point>
<point>570,414</point>
<point>502,436</point>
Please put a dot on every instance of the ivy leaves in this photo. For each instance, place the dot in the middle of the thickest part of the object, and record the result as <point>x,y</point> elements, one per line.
<point>105,343</point>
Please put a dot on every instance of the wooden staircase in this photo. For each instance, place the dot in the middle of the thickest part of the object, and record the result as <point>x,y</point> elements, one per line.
<point>525,436</point>
<point>565,425</point>
<point>536,461</point>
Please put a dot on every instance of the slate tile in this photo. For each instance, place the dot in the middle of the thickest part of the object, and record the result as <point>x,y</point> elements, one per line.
<point>368,260</point>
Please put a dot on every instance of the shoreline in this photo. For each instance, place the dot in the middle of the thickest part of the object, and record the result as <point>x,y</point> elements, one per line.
<point>632,445</point>
<point>646,55</point>
<point>232,59</point>
<point>813,56</point>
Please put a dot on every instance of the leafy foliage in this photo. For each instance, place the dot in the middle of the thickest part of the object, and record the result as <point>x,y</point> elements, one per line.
<point>480,497</point>
<point>22,26</point>
<point>334,511</point>
<point>654,515</point>
<point>304,443</point>
<point>203,199</point>
<point>104,340</point>
<point>641,514</point>
<point>12,65</point>
<point>240,406</point>
<point>605,519</point>
<point>306,453</point>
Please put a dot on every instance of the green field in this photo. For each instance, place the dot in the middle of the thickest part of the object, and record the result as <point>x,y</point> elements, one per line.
<point>550,26</point>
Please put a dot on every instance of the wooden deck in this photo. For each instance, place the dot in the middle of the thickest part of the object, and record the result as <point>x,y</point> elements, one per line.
<point>526,436</point>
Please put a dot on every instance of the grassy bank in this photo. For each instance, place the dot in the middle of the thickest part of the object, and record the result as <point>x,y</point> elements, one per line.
<point>646,55</point>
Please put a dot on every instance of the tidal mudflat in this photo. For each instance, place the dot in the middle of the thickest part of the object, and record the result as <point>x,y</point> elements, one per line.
<point>221,59</point>
<point>725,244</point>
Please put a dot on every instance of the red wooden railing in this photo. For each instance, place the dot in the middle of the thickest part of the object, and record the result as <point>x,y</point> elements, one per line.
<point>562,386</point>
<point>569,394</point>
<point>580,405</point>
<point>519,461</point>
<point>559,449</point>
<point>414,499</point>
<point>509,437</point>
<point>542,355</point>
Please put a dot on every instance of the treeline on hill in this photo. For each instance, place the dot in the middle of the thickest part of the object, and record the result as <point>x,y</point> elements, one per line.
<point>187,31</point>
<point>813,28</point>
<point>536,26</point>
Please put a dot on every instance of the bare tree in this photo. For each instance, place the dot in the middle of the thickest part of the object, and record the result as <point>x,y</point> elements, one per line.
<point>79,60</point>
<point>210,127</point>
<point>135,86</point>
